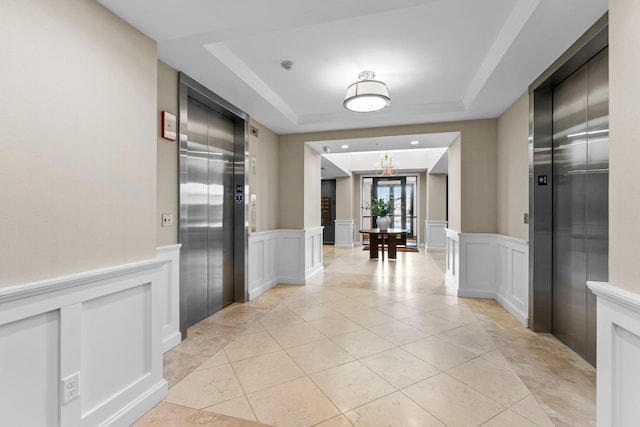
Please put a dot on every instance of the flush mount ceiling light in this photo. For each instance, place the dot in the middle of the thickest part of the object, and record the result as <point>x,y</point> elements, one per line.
<point>367,95</point>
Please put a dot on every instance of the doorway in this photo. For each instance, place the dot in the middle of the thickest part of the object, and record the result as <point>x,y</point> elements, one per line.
<point>328,211</point>
<point>212,230</point>
<point>402,189</point>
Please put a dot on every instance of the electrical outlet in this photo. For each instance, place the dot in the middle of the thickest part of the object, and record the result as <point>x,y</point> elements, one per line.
<point>167,220</point>
<point>70,387</point>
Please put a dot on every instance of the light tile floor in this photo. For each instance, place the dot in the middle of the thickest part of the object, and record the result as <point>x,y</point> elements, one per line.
<point>372,343</point>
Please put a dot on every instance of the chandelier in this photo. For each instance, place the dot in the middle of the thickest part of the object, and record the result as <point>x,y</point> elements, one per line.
<point>386,166</point>
<point>367,95</point>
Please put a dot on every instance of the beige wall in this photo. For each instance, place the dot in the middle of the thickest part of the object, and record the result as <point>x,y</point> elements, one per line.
<point>291,179</point>
<point>479,175</point>
<point>312,187</point>
<point>436,198</point>
<point>78,157</point>
<point>264,184</point>
<point>513,169</point>
<point>344,198</point>
<point>455,182</point>
<point>624,148</point>
<point>477,163</point>
<point>167,158</point>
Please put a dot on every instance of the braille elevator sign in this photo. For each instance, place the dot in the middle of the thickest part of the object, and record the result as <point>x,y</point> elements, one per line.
<point>542,180</point>
<point>239,188</point>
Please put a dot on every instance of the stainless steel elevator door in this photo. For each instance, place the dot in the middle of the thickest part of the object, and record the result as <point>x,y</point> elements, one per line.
<point>209,243</point>
<point>580,201</point>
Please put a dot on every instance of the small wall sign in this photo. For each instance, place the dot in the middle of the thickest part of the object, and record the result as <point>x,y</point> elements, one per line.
<point>168,126</point>
<point>542,180</point>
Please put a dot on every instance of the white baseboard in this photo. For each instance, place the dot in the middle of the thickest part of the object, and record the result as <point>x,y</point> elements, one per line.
<point>477,293</point>
<point>516,311</point>
<point>618,354</point>
<point>105,326</point>
<point>140,406</point>
<point>490,266</point>
<point>283,256</point>
<point>170,341</point>
<point>262,288</point>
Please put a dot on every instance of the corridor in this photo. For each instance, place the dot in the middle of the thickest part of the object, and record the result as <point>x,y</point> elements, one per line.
<point>371,343</point>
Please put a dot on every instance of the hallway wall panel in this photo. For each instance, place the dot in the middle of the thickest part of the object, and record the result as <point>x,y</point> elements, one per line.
<point>167,158</point>
<point>263,179</point>
<point>513,169</point>
<point>624,65</point>
<point>102,326</point>
<point>78,157</point>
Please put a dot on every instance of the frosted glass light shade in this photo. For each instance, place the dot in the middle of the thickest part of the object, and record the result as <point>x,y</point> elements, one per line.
<point>366,96</point>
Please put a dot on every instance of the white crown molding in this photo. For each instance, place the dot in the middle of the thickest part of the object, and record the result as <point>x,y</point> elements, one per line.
<point>230,60</point>
<point>513,25</point>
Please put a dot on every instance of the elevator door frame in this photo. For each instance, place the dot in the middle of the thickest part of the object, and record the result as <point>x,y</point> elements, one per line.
<point>189,88</point>
<point>541,165</point>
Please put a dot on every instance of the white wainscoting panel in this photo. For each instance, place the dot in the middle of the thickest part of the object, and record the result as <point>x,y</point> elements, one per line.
<point>313,253</point>
<point>436,236</point>
<point>618,353</point>
<point>477,265</point>
<point>291,256</point>
<point>263,262</point>
<point>513,276</point>
<point>452,272</point>
<point>490,266</point>
<point>345,233</point>
<point>283,256</point>
<point>29,364</point>
<point>170,295</point>
<point>105,326</point>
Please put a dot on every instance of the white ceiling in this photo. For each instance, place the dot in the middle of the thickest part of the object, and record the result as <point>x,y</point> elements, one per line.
<point>415,153</point>
<point>384,143</point>
<point>442,60</point>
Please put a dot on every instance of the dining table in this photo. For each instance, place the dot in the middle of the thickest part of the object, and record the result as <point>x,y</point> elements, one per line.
<point>378,237</point>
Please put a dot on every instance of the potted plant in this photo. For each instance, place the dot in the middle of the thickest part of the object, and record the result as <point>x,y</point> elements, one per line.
<point>381,208</point>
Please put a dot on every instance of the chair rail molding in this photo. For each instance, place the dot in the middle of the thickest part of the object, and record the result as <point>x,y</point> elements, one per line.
<point>102,328</point>
<point>283,256</point>
<point>345,233</point>
<point>493,266</point>
<point>618,353</point>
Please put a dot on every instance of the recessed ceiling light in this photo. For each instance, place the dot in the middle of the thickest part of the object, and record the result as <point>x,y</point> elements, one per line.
<point>345,146</point>
<point>415,142</point>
